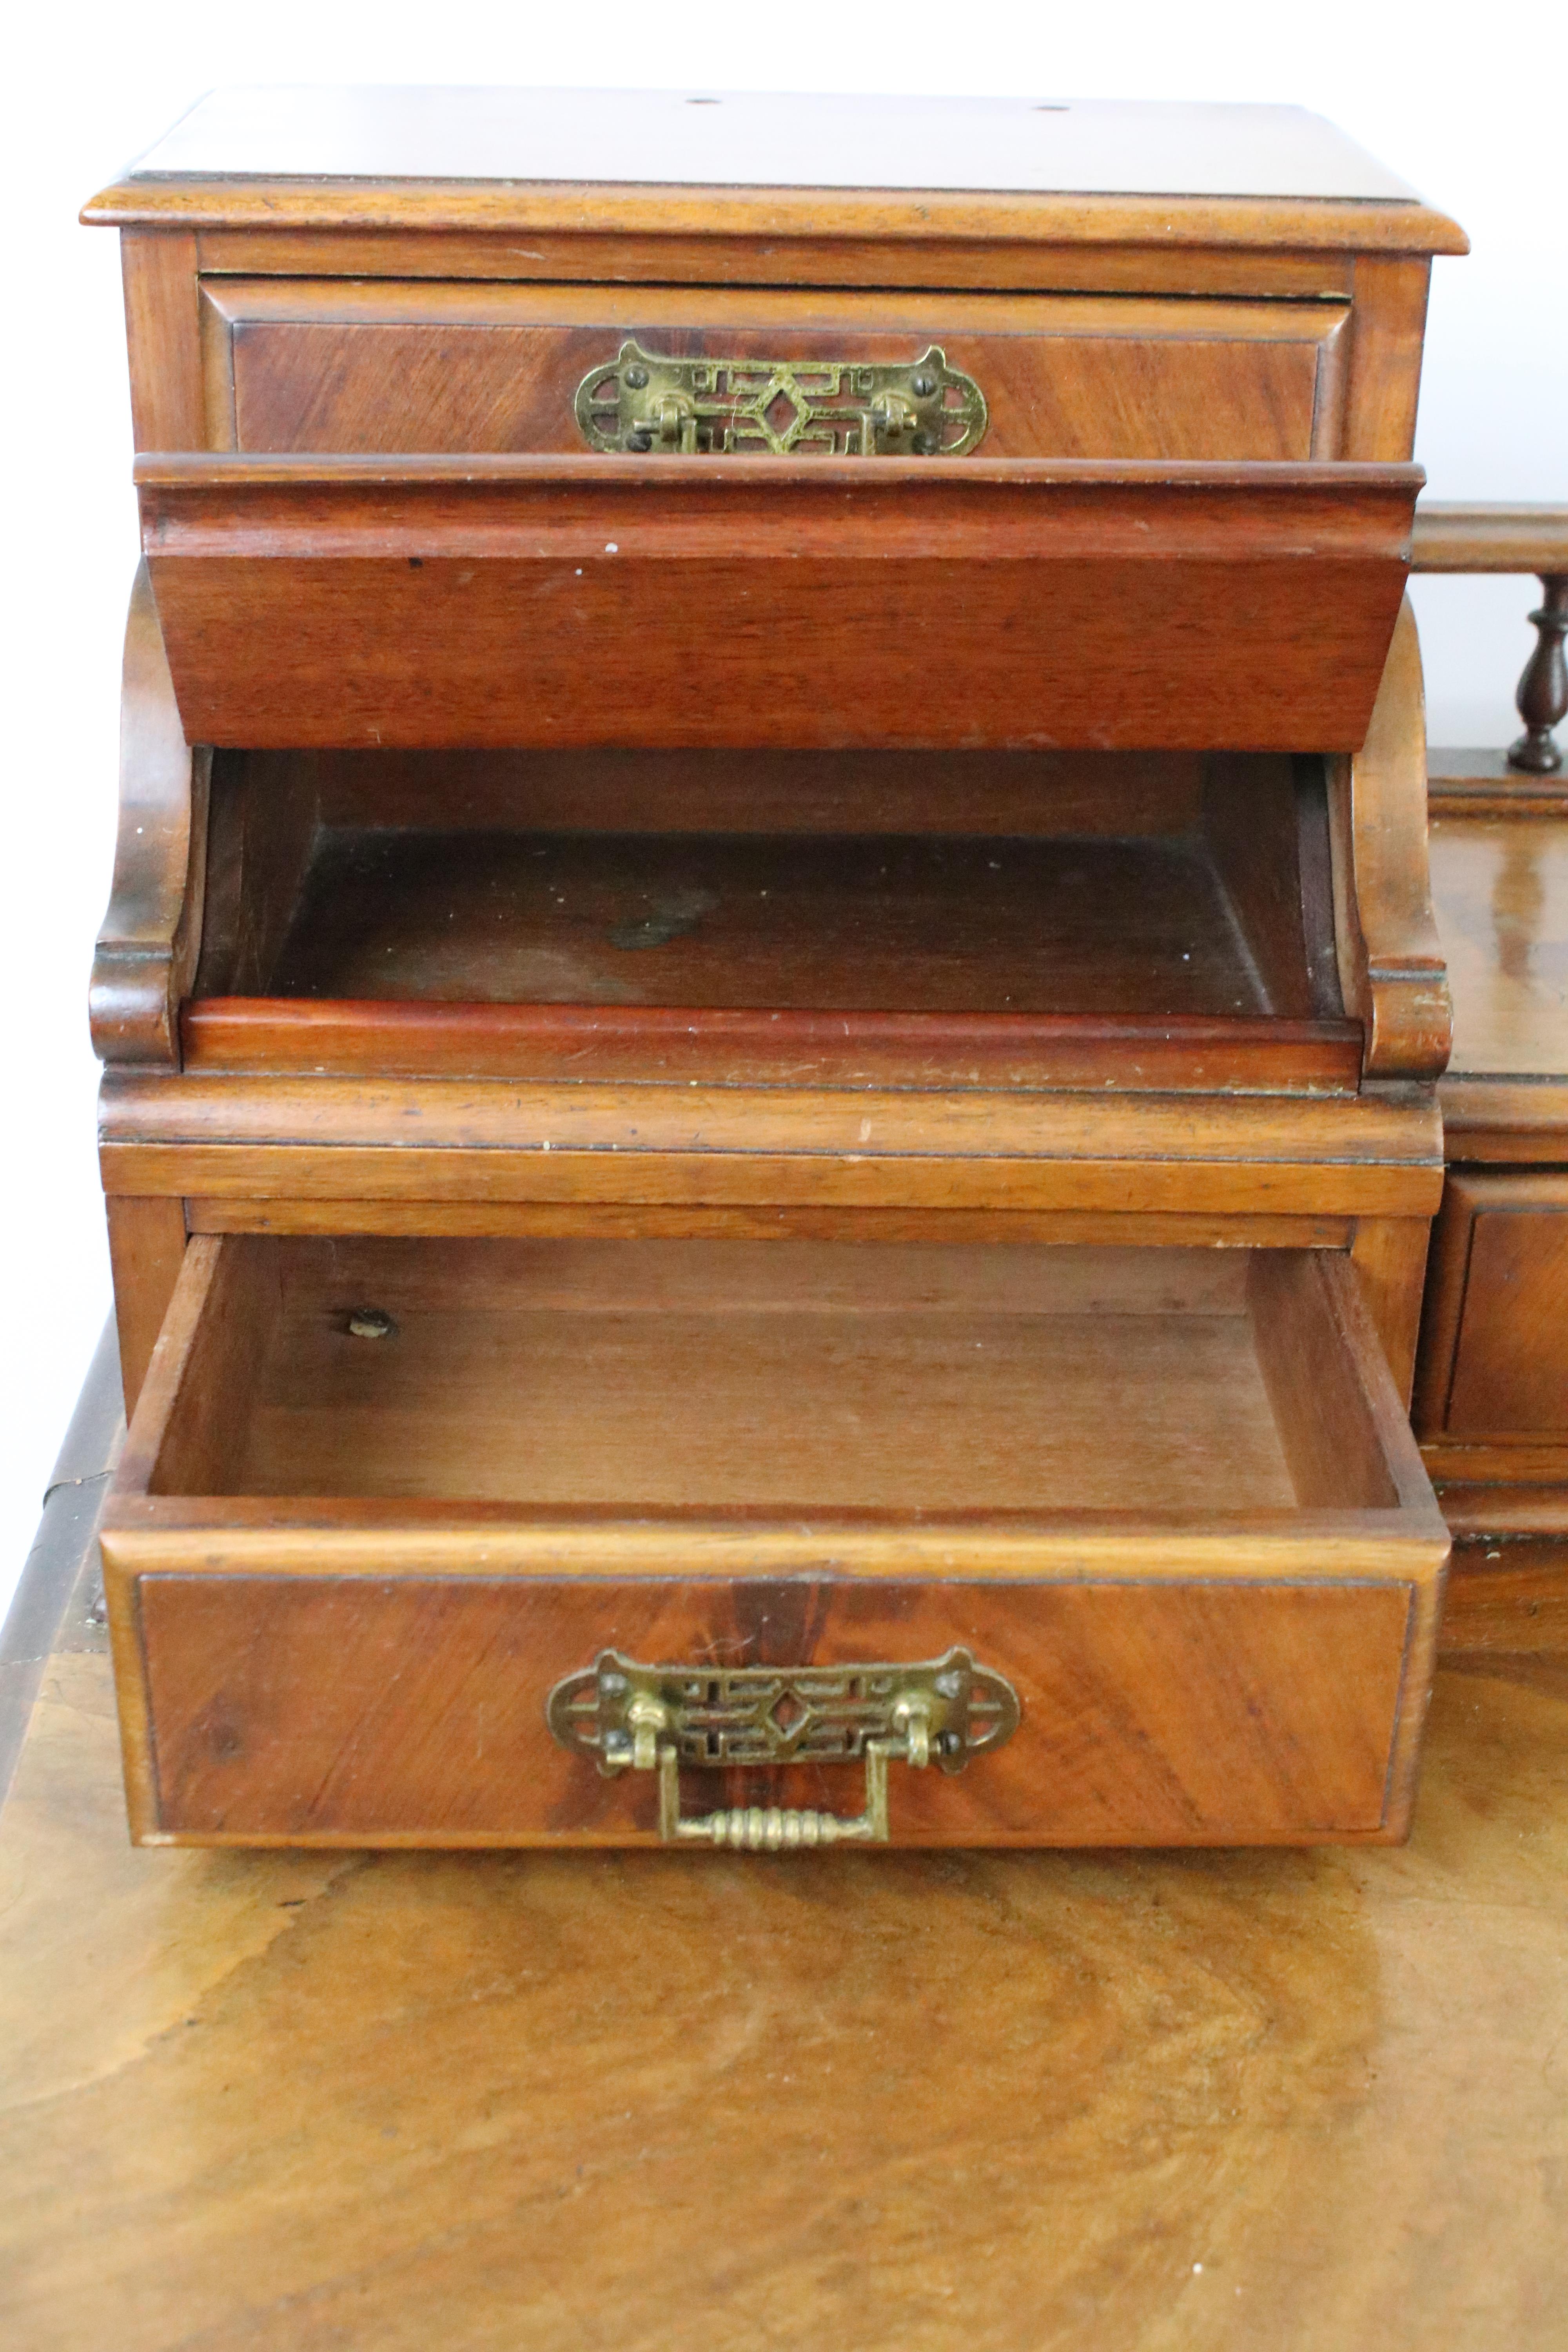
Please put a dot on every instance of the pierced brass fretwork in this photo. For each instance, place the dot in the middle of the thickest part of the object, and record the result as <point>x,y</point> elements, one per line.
<point>624,1716</point>
<point>848,408</point>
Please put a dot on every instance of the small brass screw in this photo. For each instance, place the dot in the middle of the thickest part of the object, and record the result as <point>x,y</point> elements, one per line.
<point>636,375</point>
<point>923,385</point>
<point>372,1323</point>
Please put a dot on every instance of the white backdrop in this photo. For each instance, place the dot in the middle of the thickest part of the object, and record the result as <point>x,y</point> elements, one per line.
<point>1469,109</point>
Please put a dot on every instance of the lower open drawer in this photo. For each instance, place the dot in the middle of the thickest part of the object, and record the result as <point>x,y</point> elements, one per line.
<point>579,1542</point>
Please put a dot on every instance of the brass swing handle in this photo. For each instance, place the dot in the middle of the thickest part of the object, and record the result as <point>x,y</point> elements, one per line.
<point>630,1716</point>
<point>643,401</point>
<point>778,1829</point>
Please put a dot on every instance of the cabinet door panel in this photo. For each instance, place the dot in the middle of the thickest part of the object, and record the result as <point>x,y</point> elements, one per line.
<point>1494,1343</point>
<point>1510,1368</point>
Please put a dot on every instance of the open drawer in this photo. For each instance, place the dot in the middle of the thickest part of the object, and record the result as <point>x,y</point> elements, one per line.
<point>582,1542</point>
<point>1131,921</point>
<point>657,602</point>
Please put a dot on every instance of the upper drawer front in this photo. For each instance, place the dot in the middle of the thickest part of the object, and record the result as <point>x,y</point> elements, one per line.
<point>297,365</point>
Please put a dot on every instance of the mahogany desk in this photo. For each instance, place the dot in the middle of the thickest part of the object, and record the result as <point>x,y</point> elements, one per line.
<point>302,2100</point>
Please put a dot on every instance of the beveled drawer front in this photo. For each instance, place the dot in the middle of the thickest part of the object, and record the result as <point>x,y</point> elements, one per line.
<point>304,364</point>
<point>381,1498</point>
<point>800,604</point>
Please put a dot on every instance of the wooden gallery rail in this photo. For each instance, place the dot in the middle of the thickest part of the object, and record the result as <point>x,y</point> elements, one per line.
<point>1519,540</point>
<point>1492,1385</point>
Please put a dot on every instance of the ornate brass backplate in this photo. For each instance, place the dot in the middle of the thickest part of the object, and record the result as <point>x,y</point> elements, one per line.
<point>656,1718</point>
<point>644,400</point>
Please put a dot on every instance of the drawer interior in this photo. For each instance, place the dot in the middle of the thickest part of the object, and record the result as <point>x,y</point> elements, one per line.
<point>723,1376</point>
<point>1169,1495</point>
<point>1151,919</point>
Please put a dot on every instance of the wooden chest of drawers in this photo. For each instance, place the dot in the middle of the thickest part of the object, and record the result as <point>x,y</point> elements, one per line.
<point>770,1007</point>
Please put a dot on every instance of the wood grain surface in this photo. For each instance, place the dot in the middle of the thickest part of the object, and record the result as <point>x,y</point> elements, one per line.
<point>1499,885</point>
<point>1495,1330</point>
<point>158,267</point>
<point>1271,1722</point>
<point>816,923</point>
<point>303,365</point>
<point>759,216</point>
<point>799,603</point>
<point>146,1249</point>
<point>740,789</point>
<point>961,920</point>
<point>1170,1495</point>
<point>283,2102</point>
<point>1492,1387</point>
<point>418,1139</point>
<point>820,262</point>
<point>623,1373</point>
<point>269,1036</point>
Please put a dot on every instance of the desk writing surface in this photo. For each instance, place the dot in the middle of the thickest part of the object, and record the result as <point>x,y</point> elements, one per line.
<point>702,137</point>
<point>916,2101</point>
<point>1499,888</point>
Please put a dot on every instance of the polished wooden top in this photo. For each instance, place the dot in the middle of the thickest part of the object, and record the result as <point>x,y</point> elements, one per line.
<point>1499,888</point>
<point>310,146</point>
<point>759,139</point>
<point>923,2100</point>
<point>900,2100</point>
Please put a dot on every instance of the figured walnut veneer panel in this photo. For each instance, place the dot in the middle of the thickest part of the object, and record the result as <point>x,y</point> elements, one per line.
<point>1510,1368</point>
<point>1183,1715</point>
<point>497,368</point>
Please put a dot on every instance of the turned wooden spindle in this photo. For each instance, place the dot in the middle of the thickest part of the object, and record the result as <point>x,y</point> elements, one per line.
<point>1543,696</point>
<point>1517,540</point>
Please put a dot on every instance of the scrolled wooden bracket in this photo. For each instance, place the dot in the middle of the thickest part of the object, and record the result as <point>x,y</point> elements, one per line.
<point>1393,973</point>
<point>147,948</point>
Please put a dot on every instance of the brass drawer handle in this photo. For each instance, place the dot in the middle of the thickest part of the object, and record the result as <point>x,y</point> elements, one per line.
<point>642,400</point>
<point>776,1829</point>
<point>644,1719</point>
